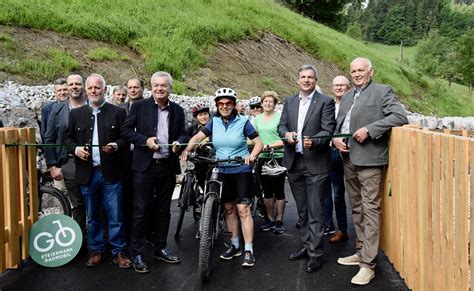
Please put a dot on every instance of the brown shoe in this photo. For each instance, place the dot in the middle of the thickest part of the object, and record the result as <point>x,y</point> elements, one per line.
<point>122,261</point>
<point>94,259</point>
<point>338,237</point>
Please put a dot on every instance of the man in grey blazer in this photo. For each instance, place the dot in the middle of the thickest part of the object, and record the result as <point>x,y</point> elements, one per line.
<point>368,112</point>
<point>306,123</point>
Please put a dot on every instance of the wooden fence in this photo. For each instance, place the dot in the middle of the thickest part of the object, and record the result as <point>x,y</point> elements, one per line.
<point>427,204</point>
<point>18,195</point>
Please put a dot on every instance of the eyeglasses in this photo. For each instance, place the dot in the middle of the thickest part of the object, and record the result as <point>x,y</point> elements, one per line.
<point>222,104</point>
<point>255,107</point>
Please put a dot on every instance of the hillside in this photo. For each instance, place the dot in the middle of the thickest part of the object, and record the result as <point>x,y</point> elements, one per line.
<point>186,38</point>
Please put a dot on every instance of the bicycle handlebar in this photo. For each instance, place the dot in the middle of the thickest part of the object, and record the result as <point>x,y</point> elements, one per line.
<point>196,157</point>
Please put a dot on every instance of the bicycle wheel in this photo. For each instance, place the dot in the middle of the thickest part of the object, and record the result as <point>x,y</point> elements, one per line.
<point>208,226</point>
<point>184,196</point>
<point>53,201</point>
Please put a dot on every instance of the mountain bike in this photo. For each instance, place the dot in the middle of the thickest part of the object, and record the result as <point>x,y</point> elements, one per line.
<point>212,219</point>
<point>191,194</point>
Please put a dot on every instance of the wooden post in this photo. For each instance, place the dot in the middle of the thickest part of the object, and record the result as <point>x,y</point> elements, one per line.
<point>436,166</point>
<point>12,247</point>
<point>471,221</point>
<point>461,170</point>
<point>2,203</point>
<point>33,178</point>
<point>23,192</point>
<point>401,51</point>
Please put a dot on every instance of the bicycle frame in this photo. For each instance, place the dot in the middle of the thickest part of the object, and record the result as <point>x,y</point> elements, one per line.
<point>214,186</point>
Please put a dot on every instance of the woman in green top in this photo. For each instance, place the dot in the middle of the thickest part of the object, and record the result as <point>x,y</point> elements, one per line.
<point>273,187</point>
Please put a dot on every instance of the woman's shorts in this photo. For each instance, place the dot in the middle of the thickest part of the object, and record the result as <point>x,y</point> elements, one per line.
<point>237,188</point>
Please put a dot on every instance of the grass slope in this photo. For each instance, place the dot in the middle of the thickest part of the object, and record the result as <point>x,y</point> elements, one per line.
<point>172,34</point>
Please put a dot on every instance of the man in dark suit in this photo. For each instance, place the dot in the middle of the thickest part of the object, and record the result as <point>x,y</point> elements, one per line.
<point>156,128</point>
<point>61,94</point>
<point>368,112</point>
<point>61,164</point>
<point>135,89</point>
<point>98,169</point>
<point>306,123</point>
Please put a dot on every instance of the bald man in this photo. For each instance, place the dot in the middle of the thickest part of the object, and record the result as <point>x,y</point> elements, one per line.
<point>367,112</point>
<point>340,85</point>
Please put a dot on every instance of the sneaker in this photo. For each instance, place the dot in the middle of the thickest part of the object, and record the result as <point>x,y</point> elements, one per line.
<point>268,225</point>
<point>230,253</point>
<point>329,229</point>
<point>350,260</point>
<point>249,259</point>
<point>279,228</point>
<point>364,276</point>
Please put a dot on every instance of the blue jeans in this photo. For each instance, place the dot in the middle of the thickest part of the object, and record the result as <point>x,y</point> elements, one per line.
<point>101,194</point>
<point>338,190</point>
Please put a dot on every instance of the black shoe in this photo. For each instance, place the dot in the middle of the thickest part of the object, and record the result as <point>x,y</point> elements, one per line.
<point>166,256</point>
<point>329,229</point>
<point>299,255</point>
<point>313,265</point>
<point>249,259</point>
<point>268,225</point>
<point>298,225</point>
<point>279,228</point>
<point>139,265</point>
<point>231,252</point>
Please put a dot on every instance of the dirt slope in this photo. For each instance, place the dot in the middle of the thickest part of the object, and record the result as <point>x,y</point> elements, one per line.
<point>249,65</point>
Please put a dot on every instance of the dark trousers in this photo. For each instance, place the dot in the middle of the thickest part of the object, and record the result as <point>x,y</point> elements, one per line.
<point>158,179</point>
<point>308,191</point>
<point>74,193</point>
<point>338,190</point>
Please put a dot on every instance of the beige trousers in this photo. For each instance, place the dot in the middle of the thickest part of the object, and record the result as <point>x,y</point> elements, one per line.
<point>363,188</point>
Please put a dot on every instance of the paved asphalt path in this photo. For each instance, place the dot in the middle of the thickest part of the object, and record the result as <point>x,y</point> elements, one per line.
<point>272,271</point>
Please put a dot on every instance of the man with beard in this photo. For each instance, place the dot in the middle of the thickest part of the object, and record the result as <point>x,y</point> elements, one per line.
<point>60,163</point>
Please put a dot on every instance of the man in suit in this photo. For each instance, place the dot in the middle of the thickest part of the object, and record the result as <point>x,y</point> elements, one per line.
<point>156,128</point>
<point>98,169</point>
<point>61,94</point>
<point>60,163</point>
<point>368,112</point>
<point>340,85</point>
<point>306,123</point>
<point>135,88</point>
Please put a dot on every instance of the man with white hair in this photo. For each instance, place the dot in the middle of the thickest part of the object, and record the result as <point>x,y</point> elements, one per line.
<point>156,128</point>
<point>100,154</point>
<point>367,112</point>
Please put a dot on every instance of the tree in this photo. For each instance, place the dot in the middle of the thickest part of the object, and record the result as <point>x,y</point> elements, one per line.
<point>395,29</point>
<point>465,52</point>
<point>354,31</point>
<point>327,12</point>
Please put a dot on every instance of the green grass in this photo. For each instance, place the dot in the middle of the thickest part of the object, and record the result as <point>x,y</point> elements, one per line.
<point>47,64</point>
<point>101,54</point>
<point>393,52</point>
<point>173,34</point>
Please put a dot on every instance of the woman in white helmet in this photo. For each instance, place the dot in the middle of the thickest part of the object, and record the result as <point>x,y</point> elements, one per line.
<point>229,132</point>
<point>255,105</point>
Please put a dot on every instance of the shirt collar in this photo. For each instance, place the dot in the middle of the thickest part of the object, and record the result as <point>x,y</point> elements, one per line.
<point>97,110</point>
<point>358,90</point>
<point>164,107</point>
<point>309,97</point>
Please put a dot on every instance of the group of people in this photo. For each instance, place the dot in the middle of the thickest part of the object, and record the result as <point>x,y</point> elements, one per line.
<point>328,145</point>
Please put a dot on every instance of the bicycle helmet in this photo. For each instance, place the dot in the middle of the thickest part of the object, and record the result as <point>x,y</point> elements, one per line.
<point>273,169</point>
<point>198,108</point>
<point>225,93</point>
<point>255,101</point>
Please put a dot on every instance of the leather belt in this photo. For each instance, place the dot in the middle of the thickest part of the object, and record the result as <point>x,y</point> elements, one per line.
<point>99,167</point>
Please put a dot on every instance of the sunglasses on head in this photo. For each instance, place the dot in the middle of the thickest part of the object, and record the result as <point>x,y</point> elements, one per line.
<point>222,103</point>
<point>255,107</point>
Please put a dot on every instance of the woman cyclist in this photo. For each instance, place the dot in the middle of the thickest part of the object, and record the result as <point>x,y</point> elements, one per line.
<point>273,187</point>
<point>201,114</point>
<point>255,105</point>
<point>229,136</point>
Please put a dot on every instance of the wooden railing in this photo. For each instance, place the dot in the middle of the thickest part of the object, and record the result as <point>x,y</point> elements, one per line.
<point>427,205</point>
<point>18,195</point>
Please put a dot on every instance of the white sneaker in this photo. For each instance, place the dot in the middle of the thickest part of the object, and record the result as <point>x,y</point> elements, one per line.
<point>353,260</point>
<point>364,276</point>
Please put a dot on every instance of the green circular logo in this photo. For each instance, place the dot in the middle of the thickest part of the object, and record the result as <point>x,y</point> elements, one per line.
<point>55,240</point>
